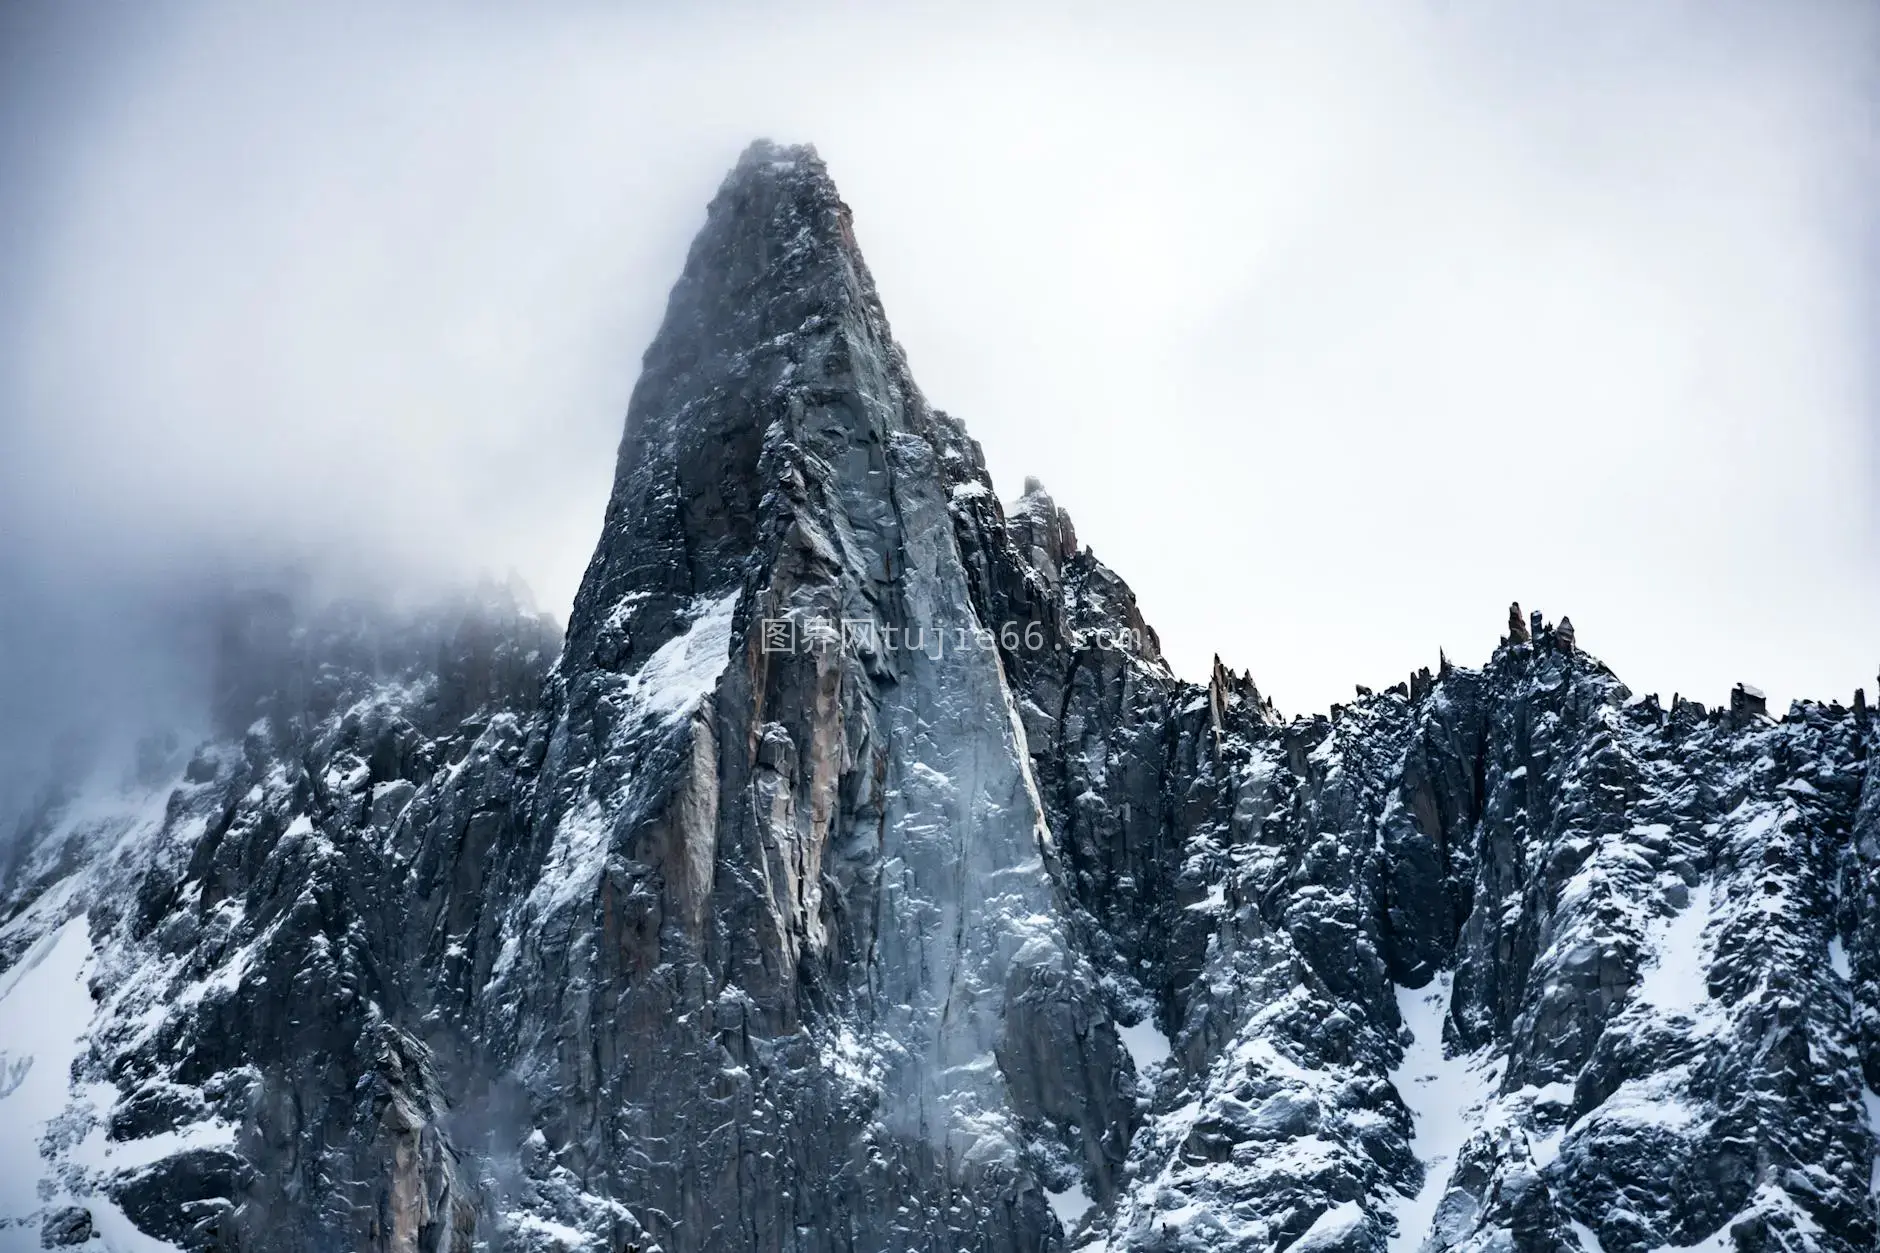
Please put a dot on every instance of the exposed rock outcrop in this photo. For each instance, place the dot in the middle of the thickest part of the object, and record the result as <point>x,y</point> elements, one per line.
<point>859,877</point>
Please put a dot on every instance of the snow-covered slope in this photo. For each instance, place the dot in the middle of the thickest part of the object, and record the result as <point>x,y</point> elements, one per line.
<point>860,878</point>
<point>1588,958</point>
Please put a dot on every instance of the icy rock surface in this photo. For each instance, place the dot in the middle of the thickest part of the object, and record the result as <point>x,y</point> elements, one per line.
<point>855,875</point>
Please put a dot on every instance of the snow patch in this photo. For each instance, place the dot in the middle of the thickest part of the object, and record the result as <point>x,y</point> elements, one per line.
<point>679,675</point>
<point>1070,1205</point>
<point>567,1237</point>
<point>1213,902</point>
<point>1837,959</point>
<point>44,909</point>
<point>1147,1046</point>
<point>573,862</point>
<point>1588,1238</point>
<point>1447,1098</point>
<point>851,1060</point>
<point>1329,1229</point>
<point>931,777</point>
<point>101,1153</point>
<point>45,1011</point>
<point>686,667</point>
<point>1673,977</point>
<point>1655,1101</point>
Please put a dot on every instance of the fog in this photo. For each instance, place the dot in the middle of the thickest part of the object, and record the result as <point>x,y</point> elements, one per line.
<point>1335,327</point>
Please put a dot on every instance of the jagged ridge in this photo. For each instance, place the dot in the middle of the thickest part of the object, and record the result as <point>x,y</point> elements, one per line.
<point>695,941</point>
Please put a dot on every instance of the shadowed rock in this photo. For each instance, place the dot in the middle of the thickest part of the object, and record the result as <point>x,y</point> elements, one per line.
<point>794,905</point>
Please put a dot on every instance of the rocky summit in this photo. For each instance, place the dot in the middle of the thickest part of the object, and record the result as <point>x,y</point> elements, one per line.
<point>856,876</point>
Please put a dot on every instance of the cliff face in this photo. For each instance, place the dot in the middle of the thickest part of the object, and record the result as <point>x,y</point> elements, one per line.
<point>859,877</point>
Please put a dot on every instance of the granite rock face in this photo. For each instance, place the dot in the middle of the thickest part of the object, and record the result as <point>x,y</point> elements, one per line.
<point>856,875</point>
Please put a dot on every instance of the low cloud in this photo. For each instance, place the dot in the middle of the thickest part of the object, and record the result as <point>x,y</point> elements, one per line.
<point>1334,328</point>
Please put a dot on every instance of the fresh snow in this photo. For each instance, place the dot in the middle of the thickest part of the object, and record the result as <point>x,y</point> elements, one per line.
<point>1837,959</point>
<point>45,1010</point>
<point>686,667</point>
<point>46,1014</point>
<point>1769,1198</point>
<point>1213,902</point>
<point>1070,1205</point>
<point>1673,977</point>
<point>680,674</point>
<point>1329,1229</point>
<point>562,1234</point>
<point>1718,1241</point>
<point>1446,1096</point>
<point>573,863</point>
<point>1147,1046</point>
<point>100,1152</point>
<point>850,1059</point>
<point>1657,1100</point>
<point>45,907</point>
<point>1588,1238</point>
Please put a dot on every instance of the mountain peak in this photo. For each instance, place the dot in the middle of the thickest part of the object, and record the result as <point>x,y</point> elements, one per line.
<point>769,155</point>
<point>769,177</point>
<point>774,297</point>
<point>862,878</point>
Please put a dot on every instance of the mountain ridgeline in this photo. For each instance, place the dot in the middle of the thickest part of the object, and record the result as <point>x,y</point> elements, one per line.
<point>856,877</point>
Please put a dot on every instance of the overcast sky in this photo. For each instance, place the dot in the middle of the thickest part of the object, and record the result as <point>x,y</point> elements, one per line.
<point>1334,327</point>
